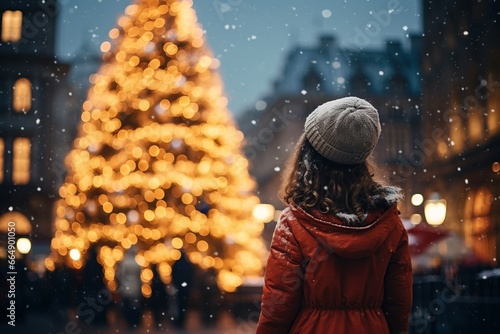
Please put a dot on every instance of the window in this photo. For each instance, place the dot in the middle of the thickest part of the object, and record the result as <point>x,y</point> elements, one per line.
<point>22,95</point>
<point>2,148</point>
<point>21,161</point>
<point>479,228</point>
<point>457,131</point>
<point>11,25</point>
<point>476,125</point>
<point>493,114</point>
<point>312,80</point>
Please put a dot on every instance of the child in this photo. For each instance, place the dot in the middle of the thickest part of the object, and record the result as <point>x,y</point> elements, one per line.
<point>339,260</point>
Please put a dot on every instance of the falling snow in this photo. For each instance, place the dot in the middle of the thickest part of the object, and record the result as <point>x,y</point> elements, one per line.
<point>228,8</point>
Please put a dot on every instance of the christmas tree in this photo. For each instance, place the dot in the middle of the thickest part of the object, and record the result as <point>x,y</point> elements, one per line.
<point>157,162</point>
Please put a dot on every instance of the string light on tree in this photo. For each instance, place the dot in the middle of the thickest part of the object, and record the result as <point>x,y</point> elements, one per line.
<point>158,160</point>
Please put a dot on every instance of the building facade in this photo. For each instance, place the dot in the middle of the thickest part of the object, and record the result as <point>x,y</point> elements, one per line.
<point>388,78</point>
<point>30,79</point>
<point>461,100</point>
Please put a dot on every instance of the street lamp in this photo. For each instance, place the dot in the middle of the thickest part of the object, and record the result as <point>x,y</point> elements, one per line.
<point>263,212</point>
<point>435,210</point>
<point>23,245</point>
<point>417,199</point>
<point>415,218</point>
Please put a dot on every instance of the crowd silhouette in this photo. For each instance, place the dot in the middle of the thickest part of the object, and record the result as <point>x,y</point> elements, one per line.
<point>82,295</point>
<point>79,299</point>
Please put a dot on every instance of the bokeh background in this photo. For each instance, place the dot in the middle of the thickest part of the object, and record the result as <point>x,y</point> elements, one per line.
<point>226,114</point>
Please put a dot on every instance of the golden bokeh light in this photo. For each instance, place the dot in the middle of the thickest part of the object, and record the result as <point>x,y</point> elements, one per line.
<point>157,167</point>
<point>75,254</point>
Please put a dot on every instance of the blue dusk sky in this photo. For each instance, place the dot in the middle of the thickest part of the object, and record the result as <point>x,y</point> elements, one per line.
<point>251,38</point>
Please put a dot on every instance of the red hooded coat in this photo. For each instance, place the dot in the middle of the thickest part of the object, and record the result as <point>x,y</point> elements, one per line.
<point>326,276</point>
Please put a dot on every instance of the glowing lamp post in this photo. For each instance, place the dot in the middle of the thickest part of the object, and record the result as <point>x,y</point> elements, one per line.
<point>435,210</point>
<point>263,212</point>
<point>23,245</point>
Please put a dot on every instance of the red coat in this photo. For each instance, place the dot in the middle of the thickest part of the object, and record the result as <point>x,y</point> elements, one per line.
<point>325,276</point>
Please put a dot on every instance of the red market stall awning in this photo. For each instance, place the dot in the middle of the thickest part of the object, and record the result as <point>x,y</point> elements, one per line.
<point>423,236</point>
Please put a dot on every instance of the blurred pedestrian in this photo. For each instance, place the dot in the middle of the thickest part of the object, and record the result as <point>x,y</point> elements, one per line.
<point>339,260</point>
<point>61,285</point>
<point>158,302</point>
<point>22,289</point>
<point>210,296</point>
<point>182,278</point>
<point>129,286</point>
<point>94,288</point>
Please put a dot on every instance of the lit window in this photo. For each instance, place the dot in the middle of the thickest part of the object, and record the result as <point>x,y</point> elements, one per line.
<point>476,125</point>
<point>479,229</point>
<point>21,161</point>
<point>456,128</point>
<point>22,95</point>
<point>494,114</point>
<point>11,25</point>
<point>2,147</point>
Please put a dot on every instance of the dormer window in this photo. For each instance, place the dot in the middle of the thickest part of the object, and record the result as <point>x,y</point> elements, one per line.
<point>312,80</point>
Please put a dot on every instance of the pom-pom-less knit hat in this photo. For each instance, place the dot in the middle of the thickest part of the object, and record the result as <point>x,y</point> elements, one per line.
<point>344,131</point>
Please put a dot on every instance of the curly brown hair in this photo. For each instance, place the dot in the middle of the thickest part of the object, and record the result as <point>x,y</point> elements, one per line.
<point>311,181</point>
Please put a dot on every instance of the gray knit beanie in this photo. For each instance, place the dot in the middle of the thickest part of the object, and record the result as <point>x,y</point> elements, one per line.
<point>344,131</point>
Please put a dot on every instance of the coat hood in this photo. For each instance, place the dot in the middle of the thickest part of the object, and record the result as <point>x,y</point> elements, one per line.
<point>345,234</point>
